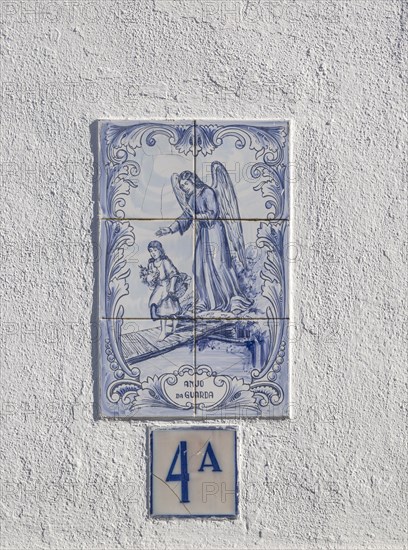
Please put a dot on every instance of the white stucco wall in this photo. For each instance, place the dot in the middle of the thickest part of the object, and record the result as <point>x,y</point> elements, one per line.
<point>335,475</point>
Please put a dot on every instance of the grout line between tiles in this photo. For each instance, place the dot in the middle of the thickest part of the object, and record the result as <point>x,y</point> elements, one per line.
<point>195,365</point>
<point>200,319</point>
<point>178,318</point>
<point>194,229</point>
<point>194,267</point>
<point>209,219</point>
<point>143,219</point>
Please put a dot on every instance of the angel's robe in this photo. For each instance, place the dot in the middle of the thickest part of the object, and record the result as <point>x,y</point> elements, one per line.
<point>216,279</point>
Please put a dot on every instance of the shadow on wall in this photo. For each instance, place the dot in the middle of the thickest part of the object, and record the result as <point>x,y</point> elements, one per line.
<point>93,141</point>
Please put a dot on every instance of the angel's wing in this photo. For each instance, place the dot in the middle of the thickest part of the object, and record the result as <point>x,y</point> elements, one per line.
<point>180,196</point>
<point>228,209</point>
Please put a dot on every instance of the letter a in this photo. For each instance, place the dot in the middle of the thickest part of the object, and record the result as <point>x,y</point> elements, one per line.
<point>214,463</point>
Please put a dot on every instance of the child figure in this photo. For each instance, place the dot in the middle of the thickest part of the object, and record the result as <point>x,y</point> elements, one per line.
<point>168,286</point>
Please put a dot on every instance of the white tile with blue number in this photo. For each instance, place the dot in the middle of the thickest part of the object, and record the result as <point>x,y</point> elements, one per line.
<point>193,472</point>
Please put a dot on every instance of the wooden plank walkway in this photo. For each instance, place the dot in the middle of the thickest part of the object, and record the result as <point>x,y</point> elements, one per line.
<point>144,344</point>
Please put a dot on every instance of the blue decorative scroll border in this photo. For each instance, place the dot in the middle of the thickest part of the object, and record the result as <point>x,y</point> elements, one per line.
<point>119,173</point>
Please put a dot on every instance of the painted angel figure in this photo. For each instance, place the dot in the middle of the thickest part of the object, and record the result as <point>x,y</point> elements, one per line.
<point>219,238</point>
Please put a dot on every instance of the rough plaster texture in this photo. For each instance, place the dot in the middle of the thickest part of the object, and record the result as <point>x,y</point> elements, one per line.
<point>335,475</point>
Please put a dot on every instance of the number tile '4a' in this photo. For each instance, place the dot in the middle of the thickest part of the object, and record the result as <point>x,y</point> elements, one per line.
<point>193,472</point>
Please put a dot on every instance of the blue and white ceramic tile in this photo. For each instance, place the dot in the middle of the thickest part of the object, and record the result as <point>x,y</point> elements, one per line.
<point>143,273</point>
<point>246,165</point>
<point>241,269</point>
<point>146,375</point>
<point>200,265</point>
<point>194,472</point>
<point>136,163</point>
<point>242,368</point>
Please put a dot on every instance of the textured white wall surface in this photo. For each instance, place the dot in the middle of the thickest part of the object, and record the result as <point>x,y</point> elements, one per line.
<point>335,475</point>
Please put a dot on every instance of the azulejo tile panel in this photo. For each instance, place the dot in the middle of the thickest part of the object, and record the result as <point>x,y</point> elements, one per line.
<point>194,269</point>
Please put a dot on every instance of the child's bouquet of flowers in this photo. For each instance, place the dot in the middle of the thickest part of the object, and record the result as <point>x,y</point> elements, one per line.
<point>147,277</point>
